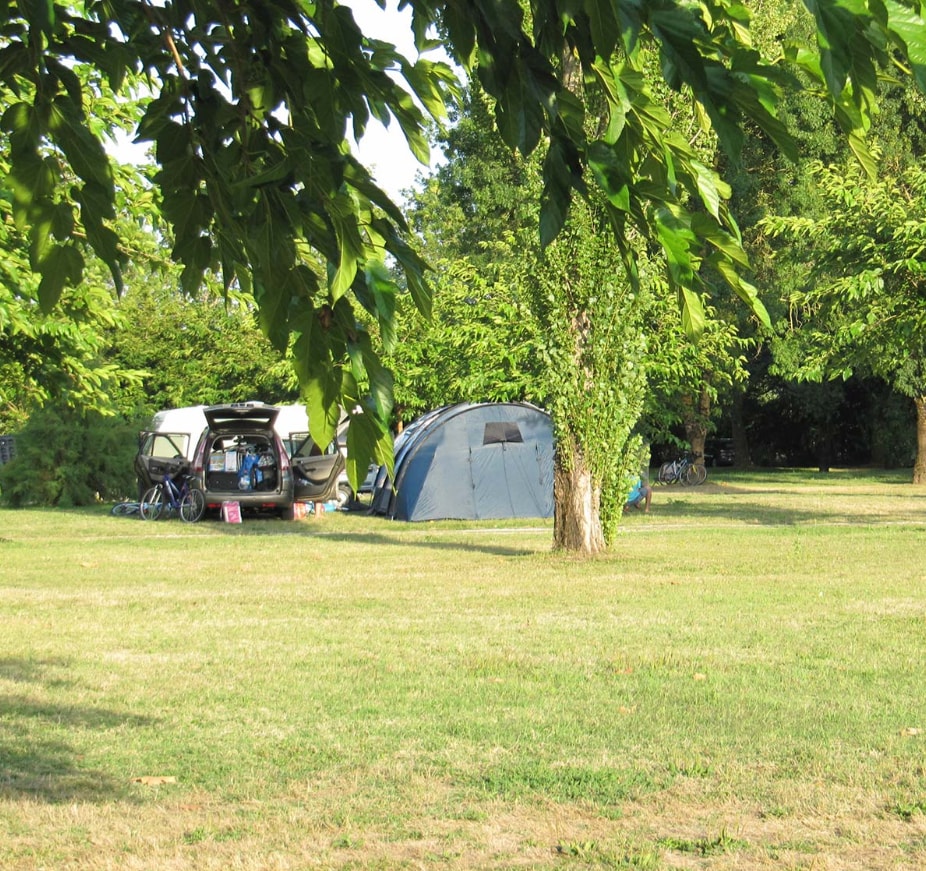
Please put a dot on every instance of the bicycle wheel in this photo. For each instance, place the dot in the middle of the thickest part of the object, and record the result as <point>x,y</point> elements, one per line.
<point>124,509</point>
<point>152,503</point>
<point>192,506</point>
<point>695,474</point>
<point>666,473</point>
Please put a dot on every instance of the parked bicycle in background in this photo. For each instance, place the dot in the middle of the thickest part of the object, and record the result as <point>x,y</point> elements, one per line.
<point>168,496</point>
<point>684,470</point>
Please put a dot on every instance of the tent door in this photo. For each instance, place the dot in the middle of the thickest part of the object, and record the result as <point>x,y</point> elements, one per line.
<point>506,481</point>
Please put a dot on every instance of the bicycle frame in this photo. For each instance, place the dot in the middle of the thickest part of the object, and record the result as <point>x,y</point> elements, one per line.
<point>174,493</point>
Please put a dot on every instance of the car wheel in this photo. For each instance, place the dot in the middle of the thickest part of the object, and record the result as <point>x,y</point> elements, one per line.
<point>343,497</point>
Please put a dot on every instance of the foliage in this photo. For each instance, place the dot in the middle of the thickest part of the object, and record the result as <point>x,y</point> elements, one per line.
<point>864,285</point>
<point>478,345</point>
<point>594,344</point>
<point>57,353</point>
<point>66,457</point>
<point>560,326</point>
<point>251,103</point>
<point>254,177</point>
<point>862,306</point>
<point>679,369</point>
<point>193,351</point>
<point>475,222</point>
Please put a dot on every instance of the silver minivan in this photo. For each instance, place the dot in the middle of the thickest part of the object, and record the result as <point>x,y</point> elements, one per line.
<point>239,456</point>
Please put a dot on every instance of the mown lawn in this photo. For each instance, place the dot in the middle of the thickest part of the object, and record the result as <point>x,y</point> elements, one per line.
<point>738,684</point>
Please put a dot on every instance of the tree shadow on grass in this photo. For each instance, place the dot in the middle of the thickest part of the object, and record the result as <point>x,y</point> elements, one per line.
<point>374,539</point>
<point>37,761</point>
<point>419,535</point>
<point>760,512</point>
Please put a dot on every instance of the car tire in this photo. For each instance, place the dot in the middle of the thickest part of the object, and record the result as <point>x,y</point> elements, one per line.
<point>343,497</point>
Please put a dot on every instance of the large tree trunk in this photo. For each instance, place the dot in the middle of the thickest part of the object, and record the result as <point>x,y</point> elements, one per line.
<point>742,458</point>
<point>697,414</point>
<point>577,507</point>
<point>919,465</point>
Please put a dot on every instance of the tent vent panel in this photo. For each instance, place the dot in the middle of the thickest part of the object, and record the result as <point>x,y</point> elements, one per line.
<point>499,432</point>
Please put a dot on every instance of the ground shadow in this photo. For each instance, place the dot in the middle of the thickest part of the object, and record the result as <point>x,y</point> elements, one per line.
<point>376,539</point>
<point>745,505</point>
<point>744,512</point>
<point>40,767</point>
<point>259,524</point>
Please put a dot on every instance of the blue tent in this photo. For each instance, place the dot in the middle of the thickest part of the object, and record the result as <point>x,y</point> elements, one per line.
<point>473,461</point>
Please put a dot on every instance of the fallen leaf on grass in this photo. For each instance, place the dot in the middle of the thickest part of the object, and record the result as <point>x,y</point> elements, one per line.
<point>154,780</point>
<point>911,731</point>
<point>700,676</point>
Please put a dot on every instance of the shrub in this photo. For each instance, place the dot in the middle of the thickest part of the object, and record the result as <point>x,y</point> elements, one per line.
<point>67,457</point>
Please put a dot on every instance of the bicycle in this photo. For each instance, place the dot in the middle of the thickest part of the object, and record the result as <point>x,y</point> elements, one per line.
<point>125,509</point>
<point>168,496</point>
<point>684,470</point>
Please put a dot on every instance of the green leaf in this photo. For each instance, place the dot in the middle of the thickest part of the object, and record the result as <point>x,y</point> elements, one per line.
<point>676,238</point>
<point>693,319</point>
<point>342,211</point>
<point>40,14</point>
<point>710,187</point>
<point>838,26</point>
<point>323,403</point>
<point>910,26</point>
<point>604,27</point>
<point>62,266</point>
<point>745,291</point>
<point>518,113</point>
<point>367,439</point>
<point>618,102</point>
<point>860,149</point>
<point>557,193</point>
<point>610,173</point>
<point>384,291</point>
<point>82,149</point>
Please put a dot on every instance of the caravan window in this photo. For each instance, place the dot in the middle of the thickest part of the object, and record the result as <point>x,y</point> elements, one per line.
<point>500,432</point>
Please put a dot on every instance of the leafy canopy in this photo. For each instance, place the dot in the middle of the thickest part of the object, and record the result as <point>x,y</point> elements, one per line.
<point>252,102</point>
<point>865,259</point>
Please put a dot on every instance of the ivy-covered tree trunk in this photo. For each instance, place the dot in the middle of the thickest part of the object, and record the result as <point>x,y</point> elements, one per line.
<point>919,466</point>
<point>592,324</point>
<point>577,522</point>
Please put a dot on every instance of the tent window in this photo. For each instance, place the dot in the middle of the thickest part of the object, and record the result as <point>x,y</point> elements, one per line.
<point>500,432</point>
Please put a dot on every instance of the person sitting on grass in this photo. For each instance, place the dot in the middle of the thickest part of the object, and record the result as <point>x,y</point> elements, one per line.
<point>640,496</point>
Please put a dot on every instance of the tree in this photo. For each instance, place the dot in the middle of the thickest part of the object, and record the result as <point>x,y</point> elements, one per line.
<point>478,345</point>
<point>593,322</point>
<point>252,101</point>
<point>687,378</point>
<point>561,326</point>
<point>481,341</point>
<point>201,351</point>
<point>865,290</point>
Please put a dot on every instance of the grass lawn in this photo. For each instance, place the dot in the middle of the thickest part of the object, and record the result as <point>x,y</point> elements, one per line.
<point>738,684</point>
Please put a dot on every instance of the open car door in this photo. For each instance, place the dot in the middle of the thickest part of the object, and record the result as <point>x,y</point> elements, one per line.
<point>160,453</point>
<point>315,472</point>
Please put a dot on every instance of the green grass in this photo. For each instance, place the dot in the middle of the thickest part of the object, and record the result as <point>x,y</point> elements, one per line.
<point>737,684</point>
